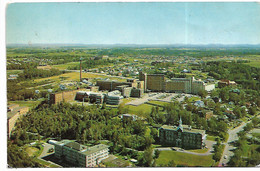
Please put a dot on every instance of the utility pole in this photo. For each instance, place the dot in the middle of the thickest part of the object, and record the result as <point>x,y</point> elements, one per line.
<point>80,77</point>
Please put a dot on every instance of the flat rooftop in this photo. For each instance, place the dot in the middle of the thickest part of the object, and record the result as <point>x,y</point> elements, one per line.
<point>96,148</point>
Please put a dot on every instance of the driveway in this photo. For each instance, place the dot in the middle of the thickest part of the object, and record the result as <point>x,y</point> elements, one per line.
<point>45,150</point>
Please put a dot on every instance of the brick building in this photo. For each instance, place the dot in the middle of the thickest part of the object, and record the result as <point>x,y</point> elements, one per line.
<point>65,96</point>
<point>182,136</point>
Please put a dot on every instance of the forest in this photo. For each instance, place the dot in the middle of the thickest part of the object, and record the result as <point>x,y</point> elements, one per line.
<point>247,76</point>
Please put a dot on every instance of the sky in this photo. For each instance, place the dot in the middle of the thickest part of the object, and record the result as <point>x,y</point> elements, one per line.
<point>133,23</point>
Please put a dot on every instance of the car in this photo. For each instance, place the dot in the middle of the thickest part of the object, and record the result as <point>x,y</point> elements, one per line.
<point>225,156</point>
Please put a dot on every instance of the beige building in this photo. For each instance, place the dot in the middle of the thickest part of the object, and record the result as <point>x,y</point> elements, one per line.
<point>157,82</point>
<point>80,155</point>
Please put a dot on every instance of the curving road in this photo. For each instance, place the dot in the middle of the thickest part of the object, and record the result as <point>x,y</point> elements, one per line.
<point>228,151</point>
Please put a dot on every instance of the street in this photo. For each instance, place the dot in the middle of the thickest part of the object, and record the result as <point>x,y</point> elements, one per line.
<point>228,146</point>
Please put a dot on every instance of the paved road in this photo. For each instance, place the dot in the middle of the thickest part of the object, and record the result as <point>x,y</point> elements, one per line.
<point>229,147</point>
<point>208,143</point>
<point>46,149</point>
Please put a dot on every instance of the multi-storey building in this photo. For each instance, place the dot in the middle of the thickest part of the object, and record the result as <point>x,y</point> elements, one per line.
<point>14,112</point>
<point>80,155</point>
<point>111,85</point>
<point>157,82</point>
<point>182,136</point>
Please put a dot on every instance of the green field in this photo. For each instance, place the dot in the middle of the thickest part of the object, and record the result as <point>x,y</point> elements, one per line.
<point>184,159</point>
<point>141,110</point>
<point>28,103</point>
<point>13,72</point>
<point>31,150</point>
<point>158,103</point>
<point>255,63</point>
<point>65,66</point>
<point>211,138</point>
<point>192,99</point>
<point>74,76</point>
<point>199,150</point>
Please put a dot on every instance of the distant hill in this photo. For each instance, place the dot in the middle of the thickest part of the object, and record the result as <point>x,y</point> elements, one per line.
<point>140,45</point>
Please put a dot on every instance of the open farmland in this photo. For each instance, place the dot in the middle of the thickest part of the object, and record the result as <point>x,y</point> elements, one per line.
<point>74,76</point>
<point>65,66</point>
<point>255,63</point>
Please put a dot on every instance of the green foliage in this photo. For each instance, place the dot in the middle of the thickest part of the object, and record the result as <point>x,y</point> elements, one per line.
<point>32,73</point>
<point>17,158</point>
<point>243,74</point>
<point>146,159</point>
<point>218,150</point>
<point>92,64</point>
<point>83,123</point>
<point>202,93</point>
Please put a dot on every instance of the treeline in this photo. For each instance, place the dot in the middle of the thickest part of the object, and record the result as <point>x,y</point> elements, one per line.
<point>171,51</point>
<point>21,65</point>
<point>18,91</point>
<point>85,124</point>
<point>33,73</point>
<point>92,64</point>
<point>247,76</point>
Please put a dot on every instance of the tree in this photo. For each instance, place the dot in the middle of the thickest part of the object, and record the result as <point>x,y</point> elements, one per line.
<point>252,110</point>
<point>255,121</point>
<point>156,154</point>
<point>148,156</point>
<point>202,93</point>
<point>171,163</point>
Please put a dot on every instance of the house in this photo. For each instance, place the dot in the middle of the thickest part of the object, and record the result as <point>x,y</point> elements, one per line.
<point>199,103</point>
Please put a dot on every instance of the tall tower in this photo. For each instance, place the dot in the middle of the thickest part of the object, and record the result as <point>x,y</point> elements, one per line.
<point>180,125</point>
<point>80,76</point>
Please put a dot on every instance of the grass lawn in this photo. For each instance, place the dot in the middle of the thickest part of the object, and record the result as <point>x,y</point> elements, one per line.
<point>31,150</point>
<point>65,66</point>
<point>156,145</point>
<point>255,63</point>
<point>211,138</point>
<point>46,164</point>
<point>199,150</point>
<point>126,100</point>
<point>158,102</point>
<point>74,76</point>
<point>192,99</point>
<point>28,103</point>
<point>13,72</point>
<point>141,110</point>
<point>184,159</point>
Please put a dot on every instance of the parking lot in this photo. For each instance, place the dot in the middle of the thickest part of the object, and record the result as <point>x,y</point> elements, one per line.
<point>164,97</point>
